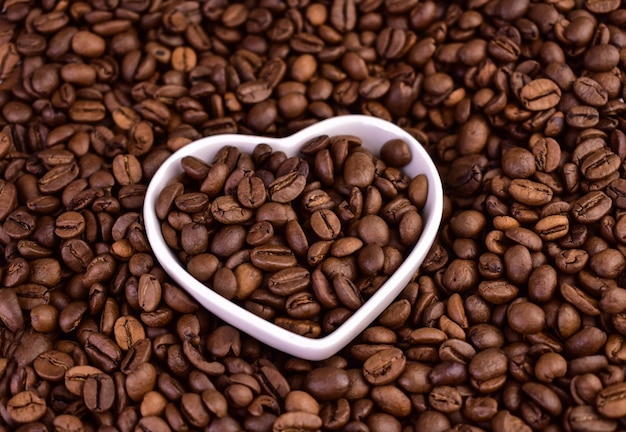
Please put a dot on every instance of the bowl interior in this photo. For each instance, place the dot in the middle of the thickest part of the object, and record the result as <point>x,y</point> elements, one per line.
<point>374,132</point>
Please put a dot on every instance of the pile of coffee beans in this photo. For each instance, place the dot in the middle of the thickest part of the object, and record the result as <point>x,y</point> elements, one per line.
<point>517,319</point>
<point>300,241</point>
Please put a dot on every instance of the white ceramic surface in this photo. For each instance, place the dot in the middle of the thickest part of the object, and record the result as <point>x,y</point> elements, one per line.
<point>374,132</point>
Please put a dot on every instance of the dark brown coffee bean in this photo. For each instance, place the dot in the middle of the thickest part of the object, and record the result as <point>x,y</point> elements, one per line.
<point>590,91</point>
<point>486,369</point>
<point>606,401</point>
<point>585,416</point>
<point>128,330</point>
<point>10,312</point>
<point>445,399</point>
<point>529,192</point>
<point>8,198</point>
<point>126,169</point>
<point>347,292</point>
<point>26,407</point>
<point>550,366</point>
<point>602,57</point>
<point>359,170</point>
<point>259,233</point>
<point>251,192</point>
<point>289,281</point>
<point>302,305</point>
<point>253,92</point>
<point>272,258</point>
<point>582,116</point>
<point>591,207</point>
<point>325,224</point>
<point>327,383</point>
<point>526,317</point>
<point>504,420</point>
<point>286,188</point>
<point>384,367</point>
<point>305,328</point>
<point>540,94</point>
<point>227,210</point>
<point>140,381</point>
<point>53,365</point>
<point>99,391</point>
<point>298,419</point>
<point>58,177</point>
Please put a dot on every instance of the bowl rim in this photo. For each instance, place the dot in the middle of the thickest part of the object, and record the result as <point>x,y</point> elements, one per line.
<point>255,326</point>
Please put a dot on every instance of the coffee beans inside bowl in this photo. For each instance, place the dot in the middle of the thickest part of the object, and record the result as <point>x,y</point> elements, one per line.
<point>301,241</point>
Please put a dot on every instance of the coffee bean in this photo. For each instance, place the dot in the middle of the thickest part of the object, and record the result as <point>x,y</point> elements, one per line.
<point>445,399</point>
<point>128,330</point>
<point>591,207</point>
<point>347,292</point>
<point>504,420</point>
<point>10,311</point>
<point>582,116</point>
<point>99,392</point>
<point>286,188</point>
<point>590,91</point>
<point>53,365</point>
<point>486,369</point>
<point>300,419</point>
<point>126,169</point>
<point>603,56</point>
<point>26,407</point>
<point>8,198</point>
<point>359,170</point>
<point>58,177</point>
<point>272,258</point>
<point>529,192</point>
<point>140,381</point>
<point>327,383</point>
<point>526,317</point>
<point>540,94</point>
<point>384,366</point>
<point>584,416</point>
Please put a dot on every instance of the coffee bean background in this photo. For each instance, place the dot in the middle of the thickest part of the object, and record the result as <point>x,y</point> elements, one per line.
<point>517,319</point>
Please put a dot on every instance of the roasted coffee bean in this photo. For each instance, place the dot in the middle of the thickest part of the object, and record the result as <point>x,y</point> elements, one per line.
<point>128,330</point>
<point>590,91</point>
<point>486,369</point>
<point>384,367</point>
<point>582,116</point>
<point>52,365</point>
<point>606,401</point>
<point>272,258</point>
<point>10,312</point>
<point>26,407</point>
<point>529,192</point>
<point>298,419</point>
<point>540,94</point>
<point>585,417</point>
<point>591,207</point>
<point>228,211</point>
<point>99,391</point>
<point>126,169</point>
<point>445,399</point>
<point>8,198</point>
<point>327,383</point>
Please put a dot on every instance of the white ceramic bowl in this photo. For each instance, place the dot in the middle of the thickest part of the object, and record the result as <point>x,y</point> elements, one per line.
<point>374,133</point>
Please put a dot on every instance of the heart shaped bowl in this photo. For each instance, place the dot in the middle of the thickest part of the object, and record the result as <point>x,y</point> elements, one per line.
<point>374,133</point>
